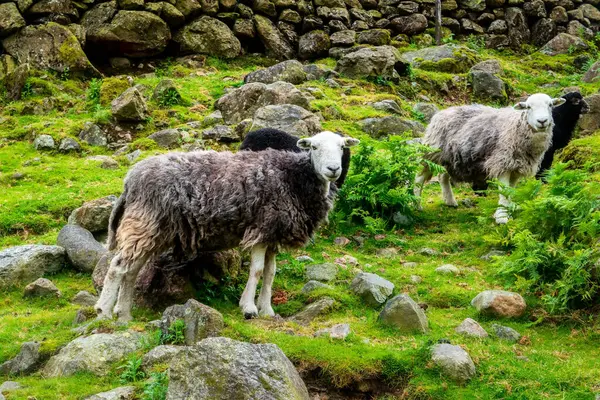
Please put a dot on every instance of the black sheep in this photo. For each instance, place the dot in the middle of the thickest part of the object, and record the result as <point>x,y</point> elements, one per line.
<point>262,139</point>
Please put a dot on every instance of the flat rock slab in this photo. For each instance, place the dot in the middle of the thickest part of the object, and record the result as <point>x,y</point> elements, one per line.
<point>372,288</point>
<point>506,333</point>
<point>405,314</point>
<point>313,310</point>
<point>322,272</point>
<point>25,263</point>
<point>454,362</point>
<point>499,303</point>
<point>470,327</point>
<point>225,369</point>
<point>95,354</point>
<point>120,393</point>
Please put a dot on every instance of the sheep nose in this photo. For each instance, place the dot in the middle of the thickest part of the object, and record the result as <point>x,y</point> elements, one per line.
<point>542,121</point>
<point>333,169</point>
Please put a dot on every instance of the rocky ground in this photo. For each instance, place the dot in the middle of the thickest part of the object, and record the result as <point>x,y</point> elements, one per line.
<point>411,312</point>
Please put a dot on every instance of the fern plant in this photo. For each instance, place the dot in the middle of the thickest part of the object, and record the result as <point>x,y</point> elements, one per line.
<point>175,334</point>
<point>132,370</point>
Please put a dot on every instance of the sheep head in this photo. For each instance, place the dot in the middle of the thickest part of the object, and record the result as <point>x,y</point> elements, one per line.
<point>576,103</point>
<point>539,110</point>
<point>326,150</point>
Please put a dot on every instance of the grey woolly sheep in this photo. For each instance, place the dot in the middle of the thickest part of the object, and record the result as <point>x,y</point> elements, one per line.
<point>477,143</point>
<point>210,201</point>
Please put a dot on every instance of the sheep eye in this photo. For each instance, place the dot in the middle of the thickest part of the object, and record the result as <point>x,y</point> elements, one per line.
<point>314,147</point>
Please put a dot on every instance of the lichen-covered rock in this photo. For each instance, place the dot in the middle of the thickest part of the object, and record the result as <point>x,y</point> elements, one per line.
<point>200,321</point>
<point>167,139</point>
<point>506,333</point>
<point>7,65</point>
<point>289,118</point>
<point>291,71</point>
<point>446,58</point>
<point>120,393</point>
<point>499,303</point>
<point>94,215</point>
<point>487,86</point>
<point>374,37</point>
<point>225,369</point>
<point>313,45</point>
<point>590,12</point>
<point>372,288</point>
<point>207,35</point>
<point>10,19</point>
<point>95,354</point>
<point>83,250</point>
<point>29,262</point>
<point>275,43</point>
<point>25,362</point>
<point>314,285</point>
<point>44,142</point>
<point>470,327</point>
<point>498,27</point>
<point>130,106</point>
<point>518,29</point>
<point>68,145</point>
<point>564,43</point>
<point>49,46</point>
<point>313,310</point>
<point>391,106</point>
<point>84,298</point>
<point>322,272</point>
<point>160,355</point>
<point>41,287</point>
<point>382,61</point>
<point>409,25</point>
<point>390,126</point>
<point>453,361</point>
<point>447,269</point>
<point>403,313</point>
<point>344,38</point>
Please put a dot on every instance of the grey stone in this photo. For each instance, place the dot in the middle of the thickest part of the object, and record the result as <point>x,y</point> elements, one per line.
<point>426,251</point>
<point>313,44</point>
<point>304,259</point>
<point>214,118</point>
<point>339,331</point>
<point>167,139</point>
<point>488,87</point>
<point>161,355</point>
<point>494,253</point>
<point>387,252</point>
<point>453,361</point>
<point>25,362</point>
<point>322,272</point>
<point>10,386</point>
<point>313,310</point>
<point>83,250</point>
<point>84,298</point>
<point>130,106</point>
<point>291,71</point>
<point>314,285</point>
<point>563,43</point>
<point>41,287</point>
<point>289,118</point>
<point>499,303</point>
<point>409,264</point>
<point>225,369</point>
<point>275,43</point>
<point>372,288</point>
<point>133,156</point>
<point>382,61</point>
<point>470,327</point>
<point>415,279</point>
<point>106,162</point>
<point>506,333</point>
<point>403,313</point>
<point>221,133</point>
<point>388,105</point>
<point>374,37</point>
<point>24,263</point>
<point>10,19</point>
<point>491,66</point>
<point>409,25</point>
<point>498,27</point>
<point>315,72</point>
<point>120,393</point>
<point>447,269</point>
<point>343,38</point>
<point>518,29</point>
<point>428,110</point>
<point>386,126</point>
<point>543,31</point>
<point>445,58</point>
<point>68,145</point>
<point>93,135</point>
<point>207,35</point>
<point>593,73</point>
<point>200,321</point>
<point>44,142</point>
<point>166,90</point>
<point>95,354</point>
<point>94,215</point>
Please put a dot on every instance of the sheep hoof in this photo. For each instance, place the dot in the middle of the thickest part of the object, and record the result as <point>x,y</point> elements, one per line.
<point>266,312</point>
<point>103,316</point>
<point>250,315</point>
<point>452,204</point>
<point>250,311</point>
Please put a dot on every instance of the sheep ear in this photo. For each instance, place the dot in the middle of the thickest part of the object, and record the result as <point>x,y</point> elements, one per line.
<point>521,106</point>
<point>558,101</point>
<point>304,144</point>
<point>350,142</point>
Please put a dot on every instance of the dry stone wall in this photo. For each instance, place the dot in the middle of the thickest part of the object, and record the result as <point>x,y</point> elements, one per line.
<point>58,34</point>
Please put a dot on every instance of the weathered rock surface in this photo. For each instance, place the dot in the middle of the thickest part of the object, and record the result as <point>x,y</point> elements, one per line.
<point>289,118</point>
<point>372,288</point>
<point>453,361</point>
<point>382,61</point>
<point>84,298</point>
<point>403,313</point>
<point>29,262</point>
<point>392,125</point>
<point>313,310</point>
<point>470,327</point>
<point>499,303</point>
<point>200,321</point>
<point>10,19</point>
<point>94,215</point>
<point>313,45</point>
<point>563,43</point>
<point>314,285</point>
<point>95,354</point>
<point>447,269</point>
<point>167,139</point>
<point>130,106</point>
<point>41,287</point>
<point>275,43</point>
<point>593,73</point>
<point>322,272</point>
<point>224,369</point>
<point>160,355</point>
<point>291,71</point>
<point>506,333</point>
<point>83,250</point>
<point>25,362</point>
<point>445,58</point>
<point>120,393</point>
<point>93,135</point>
<point>207,35</point>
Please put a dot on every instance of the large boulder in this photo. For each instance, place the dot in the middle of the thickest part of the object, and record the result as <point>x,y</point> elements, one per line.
<point>49,46</point>
<point>518,29</point>
<point>30,262</point>
<point>206,35</point>
<point>372,288</point>
<point>83,250</point>
<point>590,12</point>
<point>403,313</point>
<point>382,61</point>
<point>10,19</point>
<point>94,215</point>
<point>275,43</point>
<point>543,31</point>
<point>200,321</point>
<point>243,102</point>
<point>225,369</point>
<point>487,86</point>
<point>95,354</point>
<point>453,361</point>
<point>26,361</point>
<point>289,118</point>
<point>564,43</point>
<point>499,303</point>
<point>446,58</point>
<point>590,122</point>
<point>313,45</point>
<point>128,33</point>
<point>291,71</point>
<point>391,126</point>
<point>593,73</point>
<point>130,106</point>
<point>409,25</point>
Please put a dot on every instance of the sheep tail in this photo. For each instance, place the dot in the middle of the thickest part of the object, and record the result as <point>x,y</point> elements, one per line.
<point>115,219</point>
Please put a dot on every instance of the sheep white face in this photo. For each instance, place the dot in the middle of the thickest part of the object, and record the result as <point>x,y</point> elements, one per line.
<point>539,110</point>
<point>326,149</point>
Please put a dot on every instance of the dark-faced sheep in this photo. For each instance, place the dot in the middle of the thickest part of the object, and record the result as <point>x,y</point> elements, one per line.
<point>477,143</point>
<point>210,201</point>
<point>269,138</point>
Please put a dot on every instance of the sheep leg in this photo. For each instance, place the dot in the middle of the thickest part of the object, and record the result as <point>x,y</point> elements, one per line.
<point>501,214</point>
<point>264,298</point>
<point>127,290</point>
<point>257,264</point>
<point>447,193</point>
<point>420,181</point>
<point>112,282</point>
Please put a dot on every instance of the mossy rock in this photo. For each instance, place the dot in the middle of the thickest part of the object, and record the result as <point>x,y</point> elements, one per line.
<point>583,151</point>
<point>447,58</point>
<point>111,89</point>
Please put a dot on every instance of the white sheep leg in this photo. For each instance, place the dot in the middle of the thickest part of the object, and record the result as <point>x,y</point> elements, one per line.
<point>112,282</point>
<point>127,290</point>
<point>257,264</point>
<point>501,214</point>
<point>420,181</point>
<point>264,298</point>
<point>447,193</point>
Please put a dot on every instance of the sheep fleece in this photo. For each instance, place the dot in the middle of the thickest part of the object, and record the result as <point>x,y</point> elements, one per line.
<point>209,201</point>
<point>479,142</point>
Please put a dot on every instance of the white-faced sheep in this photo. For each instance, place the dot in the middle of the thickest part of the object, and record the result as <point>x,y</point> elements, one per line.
<point>212,201</point>
<point>269,138</point>
<point>477,143</point>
